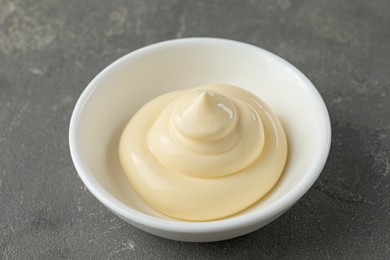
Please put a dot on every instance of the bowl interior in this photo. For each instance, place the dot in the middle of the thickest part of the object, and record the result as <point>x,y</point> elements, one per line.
<point>122,88</point>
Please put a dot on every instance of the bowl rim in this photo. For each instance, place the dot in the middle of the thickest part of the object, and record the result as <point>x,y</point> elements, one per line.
<point>248,219</point>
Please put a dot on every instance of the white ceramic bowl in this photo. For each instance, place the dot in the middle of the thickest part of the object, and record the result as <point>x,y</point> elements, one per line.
<point>123,87</point>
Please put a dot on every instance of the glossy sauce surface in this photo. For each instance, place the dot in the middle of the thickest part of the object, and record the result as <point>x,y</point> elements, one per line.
<point>205,153</point>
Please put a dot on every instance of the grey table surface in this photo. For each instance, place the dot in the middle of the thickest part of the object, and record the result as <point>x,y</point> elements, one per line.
<point>50,50</point>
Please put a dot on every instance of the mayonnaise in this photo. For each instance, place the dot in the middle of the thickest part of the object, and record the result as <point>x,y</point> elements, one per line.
<point>205,153</point>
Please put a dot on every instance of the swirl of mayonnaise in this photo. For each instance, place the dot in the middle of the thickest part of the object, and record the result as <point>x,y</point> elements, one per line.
<point>205,153</point>
<point>207,135</point>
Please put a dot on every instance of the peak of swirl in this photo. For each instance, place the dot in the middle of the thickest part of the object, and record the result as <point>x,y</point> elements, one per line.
<point>204,114</point>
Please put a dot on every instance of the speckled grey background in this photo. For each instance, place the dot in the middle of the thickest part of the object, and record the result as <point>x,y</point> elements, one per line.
<point>50,50</point>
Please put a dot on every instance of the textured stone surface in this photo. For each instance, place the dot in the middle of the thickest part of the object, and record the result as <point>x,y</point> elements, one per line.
<point>50,50</point>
